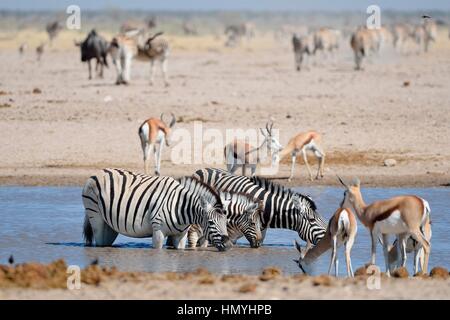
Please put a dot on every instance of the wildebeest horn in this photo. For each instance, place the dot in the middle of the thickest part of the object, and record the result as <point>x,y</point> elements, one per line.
<point>173,121</point>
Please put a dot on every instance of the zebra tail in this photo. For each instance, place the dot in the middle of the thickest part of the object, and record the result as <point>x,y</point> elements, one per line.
<point>88,234</point>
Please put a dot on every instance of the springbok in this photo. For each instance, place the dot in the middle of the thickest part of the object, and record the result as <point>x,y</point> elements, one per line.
<point>153,132</point>
<point>40,51</point>
<point>125,47</point>
<point>341,229</point>
<point>411,245</point>
<point>240,153</point>
<point>403,216</point>
<point>302,142</point>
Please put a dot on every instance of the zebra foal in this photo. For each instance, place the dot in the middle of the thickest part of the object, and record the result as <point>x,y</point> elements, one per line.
<point>244,216</point>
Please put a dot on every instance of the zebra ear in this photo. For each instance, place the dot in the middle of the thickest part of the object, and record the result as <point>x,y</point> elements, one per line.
<point>252,208</point>
<point>225,200</point>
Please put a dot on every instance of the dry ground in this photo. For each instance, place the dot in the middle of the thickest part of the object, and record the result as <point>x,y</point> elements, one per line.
<point>74,126</point>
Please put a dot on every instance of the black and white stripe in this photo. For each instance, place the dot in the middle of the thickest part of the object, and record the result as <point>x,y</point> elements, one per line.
<point>137,205</point>
<point>244,218</point>
<point>283,208</point>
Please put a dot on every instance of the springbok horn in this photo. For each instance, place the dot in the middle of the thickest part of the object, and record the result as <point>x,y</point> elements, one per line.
<point>173,121</point>
<point>298,246</point>
<point>267,127</point>
<point>262,131</point>
<point>341,181</point>
<point>162,117</point>
<point>271,126</point>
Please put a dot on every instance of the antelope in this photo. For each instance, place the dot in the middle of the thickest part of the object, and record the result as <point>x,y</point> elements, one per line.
<point>411,245</point>
<point>303,142</point>
<point>403,216</point>
<point>326,40</point>
<point>23,46</point>
<point>40,51</point>
<point>362,42</point>
<point>239,153</point>
<point>302,46</point>
<point>341,229</point>
<point>154,132</point>
<point>124,47</point>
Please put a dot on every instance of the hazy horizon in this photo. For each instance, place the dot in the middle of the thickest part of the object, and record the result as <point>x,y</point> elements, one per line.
<point>230,5</point>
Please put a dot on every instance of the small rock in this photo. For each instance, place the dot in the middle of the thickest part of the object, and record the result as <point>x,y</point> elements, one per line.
<point>439,272</point>
<point>401,272</point>
<point>248,287</point>
<point>390,162</point>
<point>269,274</point>
<point>288,116</point>
<point>406,83</point>
<point>107,99</point>
<point>37,91</point>
<point>322,280</point>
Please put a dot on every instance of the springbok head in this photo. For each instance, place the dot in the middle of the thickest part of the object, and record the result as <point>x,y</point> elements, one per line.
<point>303,251</point>
<point>168,127</point>
<point>352,193</point>
<point>269,138</point>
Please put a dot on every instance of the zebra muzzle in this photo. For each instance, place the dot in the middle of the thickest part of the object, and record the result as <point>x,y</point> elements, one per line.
<point>224,244</point>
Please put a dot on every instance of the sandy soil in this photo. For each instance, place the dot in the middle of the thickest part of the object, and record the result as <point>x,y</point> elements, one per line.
<point>74,126</point>
<point>36,281</point>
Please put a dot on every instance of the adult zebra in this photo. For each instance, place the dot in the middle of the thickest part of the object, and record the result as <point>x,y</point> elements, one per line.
<point>137,205</point>
<point>244,215</point>
<point>283,208</point>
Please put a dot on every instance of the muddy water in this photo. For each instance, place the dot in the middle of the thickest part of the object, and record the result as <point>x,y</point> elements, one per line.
<point>45,223</point>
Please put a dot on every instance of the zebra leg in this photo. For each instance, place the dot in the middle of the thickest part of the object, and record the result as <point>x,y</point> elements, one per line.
<point>158,239</point>
<point>263,235</point>
<point>103,234</point>
<point>164,71</point>
<point>179,241</point>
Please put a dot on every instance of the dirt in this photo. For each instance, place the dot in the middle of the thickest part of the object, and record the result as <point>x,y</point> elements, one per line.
<point>39,281</point>
<point>62,126</point>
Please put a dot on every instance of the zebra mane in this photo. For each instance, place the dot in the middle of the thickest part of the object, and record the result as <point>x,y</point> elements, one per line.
<point>281,190</point>
<point>191,182</point>
<point>241,194</point>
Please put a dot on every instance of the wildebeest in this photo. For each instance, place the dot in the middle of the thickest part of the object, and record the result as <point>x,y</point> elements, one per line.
<point>53,29</point>
<point>302,46</point>
<point>94,47</point>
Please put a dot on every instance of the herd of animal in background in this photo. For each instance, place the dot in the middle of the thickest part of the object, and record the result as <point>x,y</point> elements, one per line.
<point>219,207</point>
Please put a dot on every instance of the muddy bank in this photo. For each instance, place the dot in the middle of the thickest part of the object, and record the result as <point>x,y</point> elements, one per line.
<point>37,281</point>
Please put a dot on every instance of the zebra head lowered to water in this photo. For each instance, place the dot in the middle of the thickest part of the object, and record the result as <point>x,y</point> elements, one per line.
<point>244,216</point>
<point>137,205</point>
<point>283,208</point>
<point>214,220</point>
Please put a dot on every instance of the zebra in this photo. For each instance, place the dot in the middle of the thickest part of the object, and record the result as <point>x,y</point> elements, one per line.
<point>138,205</point>
<point>244,216</point>
<point>283,208</point>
